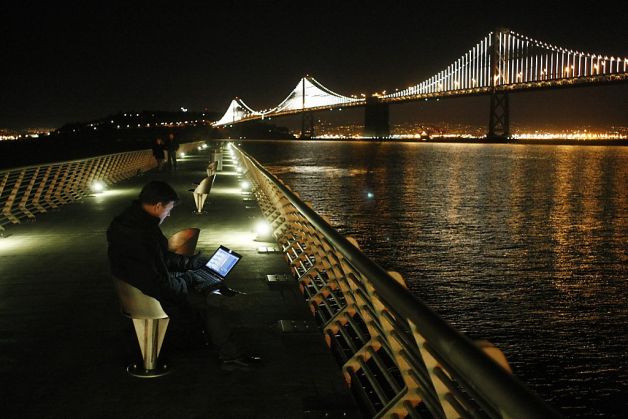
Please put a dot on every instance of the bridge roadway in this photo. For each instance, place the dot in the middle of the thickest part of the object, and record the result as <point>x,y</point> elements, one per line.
<point>64,343</point>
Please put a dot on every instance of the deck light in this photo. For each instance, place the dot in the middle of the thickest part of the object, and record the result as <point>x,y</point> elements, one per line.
<point>263,228</point>
<point>98,186</point>
<point>263,231</point>
<point>245,185</point>
<point>181,154</point>
<point>370,195</point>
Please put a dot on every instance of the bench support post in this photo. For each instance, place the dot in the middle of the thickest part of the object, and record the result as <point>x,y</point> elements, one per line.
<point>150,335</point>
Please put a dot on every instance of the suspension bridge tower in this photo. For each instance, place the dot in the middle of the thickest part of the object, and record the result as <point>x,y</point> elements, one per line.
<point>499,119</point>
<point>376,118</point>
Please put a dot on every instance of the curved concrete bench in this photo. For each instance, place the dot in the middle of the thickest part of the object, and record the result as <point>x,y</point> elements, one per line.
<point>184,242</point>
<point>150,321</point>
<point>201,192</point>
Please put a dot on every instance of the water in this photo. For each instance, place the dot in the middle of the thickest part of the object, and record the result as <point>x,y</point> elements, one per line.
<point>526,246</point>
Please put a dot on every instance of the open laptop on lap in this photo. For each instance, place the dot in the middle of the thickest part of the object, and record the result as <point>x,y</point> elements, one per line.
<point>218,267</point>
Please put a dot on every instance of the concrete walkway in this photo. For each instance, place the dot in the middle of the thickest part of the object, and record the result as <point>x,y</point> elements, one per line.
<point>64,343</point>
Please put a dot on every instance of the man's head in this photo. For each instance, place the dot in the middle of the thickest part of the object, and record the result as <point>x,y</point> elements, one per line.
<point>158,198</point>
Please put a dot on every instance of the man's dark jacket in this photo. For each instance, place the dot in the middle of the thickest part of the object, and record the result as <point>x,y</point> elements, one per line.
<point>138,254</point>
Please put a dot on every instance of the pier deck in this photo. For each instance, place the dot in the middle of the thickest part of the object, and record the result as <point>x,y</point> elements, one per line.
<point>64,343</point>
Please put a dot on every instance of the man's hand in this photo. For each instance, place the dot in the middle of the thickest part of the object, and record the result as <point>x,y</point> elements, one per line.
<point>196,261</point>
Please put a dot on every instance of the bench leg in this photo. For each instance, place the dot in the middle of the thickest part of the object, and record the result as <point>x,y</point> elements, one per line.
<point>150,335</point>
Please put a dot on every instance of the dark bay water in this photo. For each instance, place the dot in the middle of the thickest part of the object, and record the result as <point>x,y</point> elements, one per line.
<point>526,246</point>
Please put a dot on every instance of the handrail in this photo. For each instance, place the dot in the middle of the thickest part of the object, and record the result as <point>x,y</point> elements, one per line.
<point>373,318</point>
<point>25,191</point>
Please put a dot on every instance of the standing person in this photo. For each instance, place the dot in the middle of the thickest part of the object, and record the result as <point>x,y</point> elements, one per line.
<point>173,146</point>
<point>138,254</point>
<point>158,153</point>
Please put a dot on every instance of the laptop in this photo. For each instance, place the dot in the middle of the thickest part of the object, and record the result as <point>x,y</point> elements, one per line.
<point>218,267</point>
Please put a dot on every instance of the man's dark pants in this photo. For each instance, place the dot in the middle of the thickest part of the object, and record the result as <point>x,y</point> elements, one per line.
<point>216,321</point>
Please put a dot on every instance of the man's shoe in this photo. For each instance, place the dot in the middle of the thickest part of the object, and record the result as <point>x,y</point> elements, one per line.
<point>229,292</point>
<point>242,363</point>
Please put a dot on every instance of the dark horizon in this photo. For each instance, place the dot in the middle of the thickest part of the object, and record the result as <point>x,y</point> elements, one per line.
<point>75,63</point>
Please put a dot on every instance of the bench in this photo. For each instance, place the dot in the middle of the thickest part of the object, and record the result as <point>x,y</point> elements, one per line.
<point>150,321</point>
<point>201,192</point>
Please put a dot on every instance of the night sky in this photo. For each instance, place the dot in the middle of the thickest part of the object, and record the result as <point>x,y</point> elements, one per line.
<point>77,62</point>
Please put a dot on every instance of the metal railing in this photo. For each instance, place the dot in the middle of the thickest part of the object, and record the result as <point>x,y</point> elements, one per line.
<point>26,191</point>
<point>399,357</point>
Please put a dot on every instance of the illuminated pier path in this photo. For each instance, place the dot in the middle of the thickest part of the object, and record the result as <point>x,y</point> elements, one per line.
<point>64,343</point>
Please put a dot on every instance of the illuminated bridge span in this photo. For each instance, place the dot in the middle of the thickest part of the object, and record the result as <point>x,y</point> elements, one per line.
<point>308,94</point>
<point>503,61</point>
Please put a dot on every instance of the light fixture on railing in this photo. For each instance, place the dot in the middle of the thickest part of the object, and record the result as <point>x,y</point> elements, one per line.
<point>181,154</point>
<point>98,186</point>
<point>245,185</point>
<point>263,230</point>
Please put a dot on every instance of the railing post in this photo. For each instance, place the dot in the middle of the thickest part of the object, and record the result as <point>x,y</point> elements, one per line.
<point>40,190</point>
<point>61,184</point>
<point>22,205</point>
<point>90,175</point>
<point>6,211</point>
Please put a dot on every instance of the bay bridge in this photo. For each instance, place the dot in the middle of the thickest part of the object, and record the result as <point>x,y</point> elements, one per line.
<point>502,62</point>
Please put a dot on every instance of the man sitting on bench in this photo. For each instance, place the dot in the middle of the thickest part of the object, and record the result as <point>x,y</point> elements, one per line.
<point>138,254</point>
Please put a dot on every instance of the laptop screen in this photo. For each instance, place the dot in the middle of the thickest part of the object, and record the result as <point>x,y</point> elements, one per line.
<point>223,260</point>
